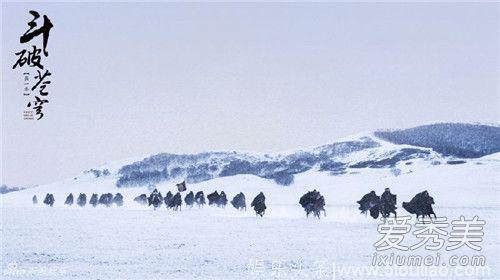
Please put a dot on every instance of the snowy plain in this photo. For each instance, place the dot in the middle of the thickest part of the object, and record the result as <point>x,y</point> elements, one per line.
<point>135,242</point>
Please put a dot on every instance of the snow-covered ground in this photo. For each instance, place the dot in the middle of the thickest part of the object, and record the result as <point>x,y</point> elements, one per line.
<point>135,242</point>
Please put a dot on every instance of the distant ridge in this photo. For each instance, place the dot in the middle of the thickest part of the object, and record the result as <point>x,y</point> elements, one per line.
<point>449,139</point>
<point>382,149</point>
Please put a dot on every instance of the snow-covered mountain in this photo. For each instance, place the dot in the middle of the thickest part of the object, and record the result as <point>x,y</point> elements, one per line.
<point>445,143</point>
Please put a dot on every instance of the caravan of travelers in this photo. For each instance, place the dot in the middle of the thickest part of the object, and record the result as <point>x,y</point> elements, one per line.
<point>312,202</point>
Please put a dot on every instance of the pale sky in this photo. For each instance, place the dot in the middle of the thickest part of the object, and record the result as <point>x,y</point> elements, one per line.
<point>136,79</point>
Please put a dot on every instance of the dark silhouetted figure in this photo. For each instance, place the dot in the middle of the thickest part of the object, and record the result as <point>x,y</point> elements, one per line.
<point>200,198</point>
<point>239,202</point>
<point>213,198</point>
<point>118,199</point>
<point>81,200</point>
<point>94,200</point>
<point>69,199</point>
<point>49,199</point>
<point>259,204</point>
<point>313,202</point>
<point>420,205</point>
<point>176,202</point>
<point>370,202</point>
<point>34,199</point>
<point>168,198</point>
<point>387,203</point>
<point>222,200</point>
<point>106,199</point>
<point>141,199</point>
<point>189,199</point>
<point>155,199</point>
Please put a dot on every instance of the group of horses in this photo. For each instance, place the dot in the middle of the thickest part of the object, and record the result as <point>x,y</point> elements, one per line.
<point>174,202</point>
<point>106,199</point>
<point>312,202</point>
<point>171,201</point>
<point>385,205</point>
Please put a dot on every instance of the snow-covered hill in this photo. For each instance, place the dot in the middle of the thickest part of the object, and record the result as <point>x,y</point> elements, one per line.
<point>343,170</point>
<point>435,144</point>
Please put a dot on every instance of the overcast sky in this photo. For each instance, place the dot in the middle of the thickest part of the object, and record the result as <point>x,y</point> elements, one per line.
<point>136,79</point>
